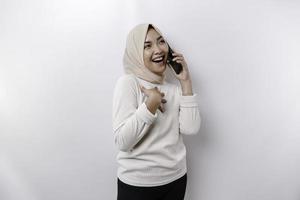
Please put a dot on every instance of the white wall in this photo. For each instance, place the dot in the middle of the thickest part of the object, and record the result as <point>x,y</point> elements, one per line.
<point>59,61</point>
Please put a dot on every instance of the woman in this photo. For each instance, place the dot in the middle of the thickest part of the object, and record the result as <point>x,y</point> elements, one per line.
<point>149,117</point>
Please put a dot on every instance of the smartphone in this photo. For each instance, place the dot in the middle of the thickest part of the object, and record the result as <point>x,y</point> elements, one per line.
<point>175,65</point>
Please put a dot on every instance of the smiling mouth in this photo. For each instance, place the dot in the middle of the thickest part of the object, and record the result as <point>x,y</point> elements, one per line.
<point>159,61</point>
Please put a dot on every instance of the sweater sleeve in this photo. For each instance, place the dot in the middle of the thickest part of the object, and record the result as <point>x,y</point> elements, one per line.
<point>189,115</point>
<point>130,121</point>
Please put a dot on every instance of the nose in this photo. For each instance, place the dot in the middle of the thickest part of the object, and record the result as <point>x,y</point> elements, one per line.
<point>157,49</point>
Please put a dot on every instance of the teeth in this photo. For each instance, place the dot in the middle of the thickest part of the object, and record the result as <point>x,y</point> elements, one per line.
<point>158,59</point>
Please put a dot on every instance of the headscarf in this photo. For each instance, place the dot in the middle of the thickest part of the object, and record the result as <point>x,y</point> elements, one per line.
<point>133,56</point>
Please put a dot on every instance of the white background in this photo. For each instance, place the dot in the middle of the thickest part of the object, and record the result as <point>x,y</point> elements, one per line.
<point>60,59</point>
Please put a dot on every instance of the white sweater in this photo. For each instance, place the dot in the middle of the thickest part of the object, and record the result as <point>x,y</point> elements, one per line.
<point>151,149</point>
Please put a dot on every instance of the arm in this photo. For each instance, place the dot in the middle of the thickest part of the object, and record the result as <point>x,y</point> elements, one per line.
<point>189,116</point>
<point>130,121</point>
<point>186,87</point>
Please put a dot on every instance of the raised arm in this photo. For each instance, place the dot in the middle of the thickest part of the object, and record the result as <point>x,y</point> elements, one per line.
<point>189,115</point>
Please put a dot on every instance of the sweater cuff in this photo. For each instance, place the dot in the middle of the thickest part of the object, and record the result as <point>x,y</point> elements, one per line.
<point>145,114</point>
<point>188,101</point>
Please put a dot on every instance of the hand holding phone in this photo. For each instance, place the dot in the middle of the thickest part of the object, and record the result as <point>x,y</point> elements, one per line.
<point>175,65</point>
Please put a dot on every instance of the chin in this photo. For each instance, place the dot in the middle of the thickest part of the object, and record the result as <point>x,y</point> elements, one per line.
<point>159,69</point>
<point>162,72</point>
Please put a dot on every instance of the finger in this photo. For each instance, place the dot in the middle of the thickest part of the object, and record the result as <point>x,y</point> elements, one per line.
<point>161,110</point>
<point>142,88</point>
<point>177,58</point>
<point>177,54</point>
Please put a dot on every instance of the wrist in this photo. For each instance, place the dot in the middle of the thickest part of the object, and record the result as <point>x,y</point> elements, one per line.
<point>186,81</point>
<point>186,87</point>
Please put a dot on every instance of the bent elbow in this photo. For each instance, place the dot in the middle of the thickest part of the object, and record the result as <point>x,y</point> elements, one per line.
<point>121,144</point>
<point>188,131</point>
<point>123,148</point>
<point>191,130</point>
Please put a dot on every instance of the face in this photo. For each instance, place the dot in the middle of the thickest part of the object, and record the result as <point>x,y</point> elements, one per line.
<point>155,52</point>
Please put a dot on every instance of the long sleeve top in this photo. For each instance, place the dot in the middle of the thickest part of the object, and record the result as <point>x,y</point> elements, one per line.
<point>151,149</point>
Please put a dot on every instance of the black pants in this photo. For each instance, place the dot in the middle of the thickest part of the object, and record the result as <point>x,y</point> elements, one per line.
<point>171,191</point>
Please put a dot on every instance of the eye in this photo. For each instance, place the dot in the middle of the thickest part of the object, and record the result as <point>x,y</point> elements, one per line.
<point>162,41</point>
<point>146,46</point>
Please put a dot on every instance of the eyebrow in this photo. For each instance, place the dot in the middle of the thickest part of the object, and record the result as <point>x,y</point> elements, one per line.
<point>156,39</point>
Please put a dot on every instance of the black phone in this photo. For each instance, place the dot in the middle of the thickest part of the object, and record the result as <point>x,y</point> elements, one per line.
<point>175,65</point>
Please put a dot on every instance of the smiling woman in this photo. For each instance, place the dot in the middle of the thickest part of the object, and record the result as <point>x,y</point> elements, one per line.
<point>149,117</point>
<point>155,52</point>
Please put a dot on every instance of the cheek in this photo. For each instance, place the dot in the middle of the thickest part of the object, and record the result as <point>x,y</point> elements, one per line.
<point>147,56</point>
<point>165,49</point>
<point>147,61</point>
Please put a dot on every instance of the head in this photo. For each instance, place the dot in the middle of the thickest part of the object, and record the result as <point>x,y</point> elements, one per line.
<point>143,45</point>
<point>155,48</point>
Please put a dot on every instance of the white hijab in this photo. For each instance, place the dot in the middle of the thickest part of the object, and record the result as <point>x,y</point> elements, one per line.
<point>133,56</point>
